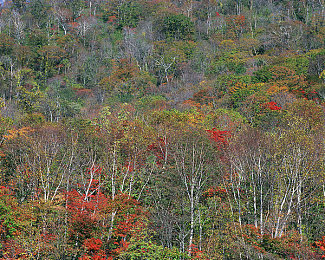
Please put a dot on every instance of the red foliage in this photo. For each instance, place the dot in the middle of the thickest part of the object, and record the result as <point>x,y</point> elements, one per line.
<point>93,244</point>
<point>5,191</point>
<point>218,191</point>
<point>130,215</point>
<point>127,223</point>
<point>236,23</point>
<point>93,248</point>
<point>83,92</point>
<point>84,207</point>
<point>86,210</point>
<point>271,105</point>
<point>158,148</point>
<point>220,137</point>
<point>196,253</point>
<point>289,245</point>
<point>47,237</point>
<point>312,95</point>
<point>9,226</point>
<point>321,245</point>
<point>111,19</point>
<point>81,227</point>
<point>11,249</point>
<point>85,203</point>
<point>202,97</point>
<point>92,199</point>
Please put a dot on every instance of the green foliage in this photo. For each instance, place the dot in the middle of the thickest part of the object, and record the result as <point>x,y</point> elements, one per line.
<point>228,62</point>
<point>298,63</point>
<point>129,15</point>
<point>20,4</point>
<point>9,226</point>
<point>151,102</point>
<point>29,100</point>
<point>37,38</point>
<point>139,249</point>
<point>233,116</point>
<point>40,11</point>
<point>241,91</point>
<point>263,75</point>
<point>175,26</point>
<point>168,117</point>
<point>33,119</point>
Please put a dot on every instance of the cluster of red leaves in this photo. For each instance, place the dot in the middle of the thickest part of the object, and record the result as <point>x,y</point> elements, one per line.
<point>93,249</point>
<point>312,95</point>
<point>217,191</point>
<point>73,25</point>
<point>288,246</point>
<point>202,97</point>
<point>158,149</point>
<point>271,105</point>
<point>81,227</point>
<point>93,199</point>
<point>111,19</point>
<point>219,137</point>
<point>196,253</point>
<point>252,236</point>
<point>130,215</point>
<point>87,209</point>
<point>129,220</point>
<point>4,191</point>
<point>84,206</point>
<point>10,248</point>
<point>236,22</point>
<point>321,245</point>
<point>83,92</point>
<point>47,237</point>
<point>85,203</point>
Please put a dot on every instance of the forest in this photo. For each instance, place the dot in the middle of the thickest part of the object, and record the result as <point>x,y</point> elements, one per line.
<point>162,129</point>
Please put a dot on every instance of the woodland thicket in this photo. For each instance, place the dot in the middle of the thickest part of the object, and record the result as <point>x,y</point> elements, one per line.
<point>160,129</point>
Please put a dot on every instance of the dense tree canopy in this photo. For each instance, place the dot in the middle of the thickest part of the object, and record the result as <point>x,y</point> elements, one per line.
<point>162,129</point>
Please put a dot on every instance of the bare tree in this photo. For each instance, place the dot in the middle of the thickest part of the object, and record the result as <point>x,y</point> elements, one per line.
<point>18,25</point>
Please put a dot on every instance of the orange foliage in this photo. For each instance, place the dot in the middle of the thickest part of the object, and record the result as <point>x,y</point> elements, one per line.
<point>277,88</point>
<point>287,78</point>
<point>237,86</point>
<point>14,133</point>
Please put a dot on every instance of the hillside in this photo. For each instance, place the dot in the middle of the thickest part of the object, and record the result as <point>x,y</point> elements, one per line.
<point>160,129</point>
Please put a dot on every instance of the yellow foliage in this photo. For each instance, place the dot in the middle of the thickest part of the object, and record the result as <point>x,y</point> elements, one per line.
<point>277,88</point>
<point>2,103</point>
<point>14,133</point>
<point>238,85</point>
<point>202,83</point>
<point>322,75</point>
<point>227,44</point>
<point>195,119</point>
<point>258,85</point>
